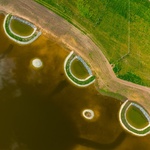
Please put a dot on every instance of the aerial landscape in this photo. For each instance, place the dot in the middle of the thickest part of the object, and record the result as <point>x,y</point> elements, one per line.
<point>74,75</point>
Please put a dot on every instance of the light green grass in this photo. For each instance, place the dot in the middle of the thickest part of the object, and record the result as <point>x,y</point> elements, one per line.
<point>118,27</point>
<point>112,94</point>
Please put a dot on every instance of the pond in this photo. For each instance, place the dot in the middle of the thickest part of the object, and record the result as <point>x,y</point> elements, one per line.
<point>136,118</point>
<point>21,28</point>
<point>78,69</point>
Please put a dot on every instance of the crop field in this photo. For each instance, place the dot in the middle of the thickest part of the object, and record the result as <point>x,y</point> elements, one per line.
<point>120,28</point>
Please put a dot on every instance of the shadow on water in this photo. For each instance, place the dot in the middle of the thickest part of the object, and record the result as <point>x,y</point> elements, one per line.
<point>41,124</point>
<point>5,52</point>
<point>36,122</point>
<point>92,144</point>
<point>59,87</point>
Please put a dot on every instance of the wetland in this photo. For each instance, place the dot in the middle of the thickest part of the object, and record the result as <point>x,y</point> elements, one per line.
<point>21,28</point>
<point>136,118</point>
<point>78,69</point>
<point>41,109</point>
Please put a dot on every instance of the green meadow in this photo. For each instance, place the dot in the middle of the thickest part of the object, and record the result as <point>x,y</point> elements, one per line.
<point>120,28</point>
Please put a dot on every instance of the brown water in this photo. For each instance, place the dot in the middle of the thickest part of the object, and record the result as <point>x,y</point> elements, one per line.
<point>78,69</point>
<point>20,28</point>
<point>136,118</point>
<point>41,109</point>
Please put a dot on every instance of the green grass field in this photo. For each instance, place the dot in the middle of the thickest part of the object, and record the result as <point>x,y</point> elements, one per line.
<point>120,28</point>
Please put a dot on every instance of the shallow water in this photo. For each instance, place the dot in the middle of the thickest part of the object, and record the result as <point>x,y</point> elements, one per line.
<point>42,110</point>
<point>20,28</point>
<point>136,118</point>
<point>78,69</point>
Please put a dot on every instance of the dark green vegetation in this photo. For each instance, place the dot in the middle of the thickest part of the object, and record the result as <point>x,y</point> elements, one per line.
<point>136,118</point>
<point>15,36</point>
<point>20,28</point>
<point>120,28</point>
<point>76,80</point>
<point>134,131</point>
<point>78,69</point>
<point>131,77</point>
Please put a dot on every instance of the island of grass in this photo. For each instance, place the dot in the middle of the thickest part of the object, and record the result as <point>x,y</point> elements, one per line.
<point>134,118</point>
<point>20,30</point>
<point>77,71</point>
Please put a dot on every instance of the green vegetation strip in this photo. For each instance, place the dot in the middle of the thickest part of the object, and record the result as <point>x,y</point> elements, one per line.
<point>112,94</point>
<point>127,126</point>
<point>75,80</point>
<point>119,28</point>
<point>15,37</point>
<point>21,28</point>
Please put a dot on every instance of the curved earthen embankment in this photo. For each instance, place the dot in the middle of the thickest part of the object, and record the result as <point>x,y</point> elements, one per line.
<point>73,39</point>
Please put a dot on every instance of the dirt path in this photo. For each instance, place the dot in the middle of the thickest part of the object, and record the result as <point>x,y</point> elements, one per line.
<point>73,39</point>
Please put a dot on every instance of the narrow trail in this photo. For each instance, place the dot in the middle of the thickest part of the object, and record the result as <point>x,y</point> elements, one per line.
<point>73,39</point>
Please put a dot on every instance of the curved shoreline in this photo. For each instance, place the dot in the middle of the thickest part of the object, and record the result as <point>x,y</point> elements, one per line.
<point>34,28</point>
<point>74,75</point>
<point>18,36</point>
<point>79,80</point>
<point>140,129</point>
<point>127,126</point>
<point>73,39</point>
